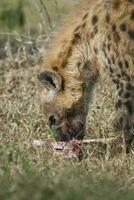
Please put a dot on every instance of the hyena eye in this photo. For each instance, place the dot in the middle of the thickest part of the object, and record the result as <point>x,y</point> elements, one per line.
<point>52,120</point>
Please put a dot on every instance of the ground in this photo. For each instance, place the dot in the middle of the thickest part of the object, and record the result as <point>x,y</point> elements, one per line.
<point>27,170</point>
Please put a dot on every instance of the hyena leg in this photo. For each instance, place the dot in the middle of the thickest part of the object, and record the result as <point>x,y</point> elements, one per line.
<point>90,77</point>
<point>125,111</point>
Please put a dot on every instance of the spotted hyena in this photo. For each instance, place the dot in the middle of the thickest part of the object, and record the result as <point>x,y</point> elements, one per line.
<point>97,38</point>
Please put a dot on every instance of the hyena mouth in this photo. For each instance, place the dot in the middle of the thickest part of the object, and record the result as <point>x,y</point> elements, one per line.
<point>66,136</point>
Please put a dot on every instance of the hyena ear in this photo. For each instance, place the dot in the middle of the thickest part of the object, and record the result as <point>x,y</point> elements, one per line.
<point>51,80</point>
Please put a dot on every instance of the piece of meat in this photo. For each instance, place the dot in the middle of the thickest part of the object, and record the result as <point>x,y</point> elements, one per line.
<point>74,149</point>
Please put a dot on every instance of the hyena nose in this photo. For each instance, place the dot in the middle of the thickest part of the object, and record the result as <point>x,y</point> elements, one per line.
<point>78,125</point>
<point>76,129</point>
<point>66,129</point>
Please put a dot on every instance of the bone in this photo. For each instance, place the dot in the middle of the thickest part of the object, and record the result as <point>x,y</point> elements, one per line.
<point>61,145</point>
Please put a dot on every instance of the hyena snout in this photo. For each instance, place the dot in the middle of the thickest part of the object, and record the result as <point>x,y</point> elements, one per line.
<point>67,129</point>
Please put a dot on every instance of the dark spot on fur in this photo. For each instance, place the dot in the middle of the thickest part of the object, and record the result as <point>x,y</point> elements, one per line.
<point>109,61</point>
<point>120,64</point>
<point>113,59</point>
<point>85,16</point>
<point>104,52</point>
<point>118,104</point>
<point>68,54</point>
<point>131,34</point>
<point>111,70</point>
<point>92,35</point>
<point>117,86</point>
<point>109,47</point>
<point>95,50</point>
<point>123,27</point>
<point>116,81</point>
<point>126,64</point>
<point>114,27</point>
<point>94,19</point>
<point>87,65</point>
<point>120,92</point>
<point>129,106</point>
<point>95,30</point>
<point>83,25</point>
<point>55,69</point>
<point>77,28</point>
<point>123,73</point>
<point>129,87</point>
<point>109,37</point>
<point>116,37</point>
<point>120,123</point>
<point>76,38</point>
<point>121,85</point>
<point>126,76</point>
<point>104,45</point>
<point>116,5</point>
<point>64,63</point>
<point>78,64</point>
<point>127,95</point>
<point>132,15</point>
<point>118,75</point>
<point>63,84</point>
<point>108,18</point>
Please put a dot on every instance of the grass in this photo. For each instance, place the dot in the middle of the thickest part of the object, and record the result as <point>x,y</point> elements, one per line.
<point>37,173</point>
<point>33,12</point>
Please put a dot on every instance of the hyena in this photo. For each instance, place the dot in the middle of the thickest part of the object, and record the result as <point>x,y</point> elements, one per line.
<point>96,38</point>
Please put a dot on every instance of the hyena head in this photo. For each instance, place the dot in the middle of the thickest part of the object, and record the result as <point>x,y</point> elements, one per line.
<point>64,97</point>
